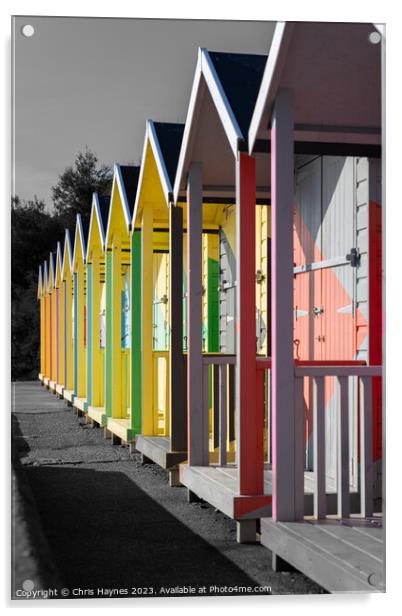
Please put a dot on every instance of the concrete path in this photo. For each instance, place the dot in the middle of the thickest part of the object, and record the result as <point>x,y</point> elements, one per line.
<point>111,523</point>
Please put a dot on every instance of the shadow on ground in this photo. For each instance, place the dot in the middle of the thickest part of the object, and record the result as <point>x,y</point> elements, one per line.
<point>105,532</point>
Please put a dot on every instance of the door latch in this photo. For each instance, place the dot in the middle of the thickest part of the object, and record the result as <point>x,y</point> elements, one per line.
<point>354,257</point>
<point>317,310</point>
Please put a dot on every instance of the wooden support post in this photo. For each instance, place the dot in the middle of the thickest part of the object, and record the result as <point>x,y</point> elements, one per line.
<point>319,448</point>
<point>148,428</point>
<point>343,448</point>
<point>366,447</point>
<point>136,396</point>
<point>223,376</point>
<point>117,410</point>
<point>283,412</point>
<point>62,339</point>
<point>246,531</point>
<point>197,430</point>
<point>177,389</point>
<point>68,335</point>
<point>89,333</point>
<point>93,338</point>
<point>249,429</point>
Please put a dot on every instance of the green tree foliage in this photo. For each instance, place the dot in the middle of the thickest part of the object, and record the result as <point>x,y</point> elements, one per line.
<point>73,192</point>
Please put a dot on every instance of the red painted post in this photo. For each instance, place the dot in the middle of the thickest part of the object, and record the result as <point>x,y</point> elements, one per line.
<point>249,433</point>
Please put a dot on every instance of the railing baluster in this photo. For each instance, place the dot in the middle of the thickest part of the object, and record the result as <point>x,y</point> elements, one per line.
<point>205,413</point>
<point>366,447</point>
<point>299,447</point>
<point>320,505</point>
<point>223,373</point>
<point>343,448</point>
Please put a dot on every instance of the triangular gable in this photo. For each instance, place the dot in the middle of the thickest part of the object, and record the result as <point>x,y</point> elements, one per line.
<point>40,283</point>
<point>334,72</point>
<point>122,199</point>
<point>59,266</point>
<point>79,243</point>
<point>233,81</point>
<point>98,222</point>
<point>67,255</point>
<point>161,151</point>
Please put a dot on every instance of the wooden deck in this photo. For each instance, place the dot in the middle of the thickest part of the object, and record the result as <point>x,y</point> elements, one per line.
<point>218,486</point>
<point>120,428</point>
<point>68,395</point>
<point>97,413</point>
<point>80,404</point>
<point>157,449</point>
<point>59,390</point>
<point>340,555</point>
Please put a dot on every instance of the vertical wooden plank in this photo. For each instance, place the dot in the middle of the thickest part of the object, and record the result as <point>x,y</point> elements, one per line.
<point>117,364</point>
<point>75,336</point>
<point>109,338</point>
<point>215,405</point>
<point>197,435</point>
<point>298,448</point>
<point>136,395</point>
<point>94,349</point>
<point>250,418</point>
<point>90,371</point>
<point>204,433</point>
<point>366,447</point>
<point>343,448</point>
<point>282,167</point>
<point>146,320</point>
<point>178,414</point>
<point>62,342</point>
<point>319,448</point>
<point>80,314</point>
<point>223,405</point>
<point>68,334</point>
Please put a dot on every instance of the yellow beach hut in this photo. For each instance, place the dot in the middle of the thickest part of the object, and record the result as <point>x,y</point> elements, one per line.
<point>96,309</point>
<point>79,311</point>
<point>68,295</point>
<point>119,310</point>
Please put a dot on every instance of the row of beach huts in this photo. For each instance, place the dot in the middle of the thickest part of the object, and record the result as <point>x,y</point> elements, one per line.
<point>222,312</point>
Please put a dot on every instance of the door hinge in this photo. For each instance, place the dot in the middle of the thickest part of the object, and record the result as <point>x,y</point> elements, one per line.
<point>354,257</point>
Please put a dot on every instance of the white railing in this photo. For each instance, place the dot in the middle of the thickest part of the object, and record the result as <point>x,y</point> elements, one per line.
<point>342,375</point>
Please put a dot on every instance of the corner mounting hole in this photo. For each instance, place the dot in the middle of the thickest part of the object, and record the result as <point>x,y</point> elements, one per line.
<point>374,38</point>
<point>28,30</point>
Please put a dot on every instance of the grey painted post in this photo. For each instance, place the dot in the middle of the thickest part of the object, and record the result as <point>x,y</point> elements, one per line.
<point>366,447</point>
<point>177,389</point>
<point>319,448</point>
<point>283,411</point>
<point>343,448</point>
<point>299,448</point>
<point>197,452</point>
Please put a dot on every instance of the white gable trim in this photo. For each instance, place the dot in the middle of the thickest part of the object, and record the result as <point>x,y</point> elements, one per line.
<point>270,80</point>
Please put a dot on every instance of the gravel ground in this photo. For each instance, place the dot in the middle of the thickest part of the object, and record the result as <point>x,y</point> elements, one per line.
<point>112,526</point>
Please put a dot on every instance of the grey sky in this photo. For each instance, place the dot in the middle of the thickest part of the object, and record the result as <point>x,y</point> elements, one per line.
<point>87,81</point>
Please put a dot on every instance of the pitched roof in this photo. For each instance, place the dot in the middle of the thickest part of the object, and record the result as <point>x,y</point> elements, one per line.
<point>104,203</point>
<point>130,175</point>
<point>169,136</point>
<point>240,75</point>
